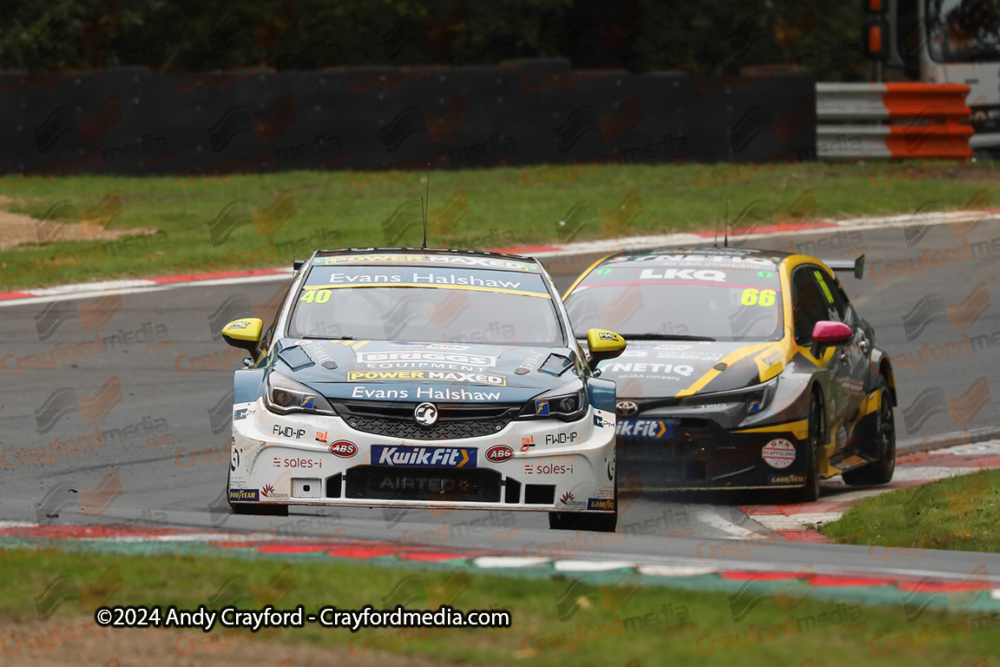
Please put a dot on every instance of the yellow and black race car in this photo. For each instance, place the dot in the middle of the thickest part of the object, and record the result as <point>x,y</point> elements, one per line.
<point>744,369</point>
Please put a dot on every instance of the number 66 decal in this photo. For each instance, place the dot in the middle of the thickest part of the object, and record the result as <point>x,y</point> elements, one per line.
<point>753,297</point>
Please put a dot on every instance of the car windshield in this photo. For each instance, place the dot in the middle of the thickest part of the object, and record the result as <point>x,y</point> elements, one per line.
<point>964,30</point>
<point>655,297</point>
<point>426,304</point>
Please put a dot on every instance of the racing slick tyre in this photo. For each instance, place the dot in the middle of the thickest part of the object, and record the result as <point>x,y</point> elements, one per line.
<point>260,509</point>
<point>598,523</point>
<point>881,448</point>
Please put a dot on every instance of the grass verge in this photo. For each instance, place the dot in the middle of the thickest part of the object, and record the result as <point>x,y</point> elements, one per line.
<point>622,623</point>
<point>960,513</point>
<point>256,221</point>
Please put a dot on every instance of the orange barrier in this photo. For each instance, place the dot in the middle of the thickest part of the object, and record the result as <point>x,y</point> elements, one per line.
<point>913,120</point>
<point>925,120</point>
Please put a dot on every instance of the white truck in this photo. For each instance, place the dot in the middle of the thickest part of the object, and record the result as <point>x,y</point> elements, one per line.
<point>942,41</point>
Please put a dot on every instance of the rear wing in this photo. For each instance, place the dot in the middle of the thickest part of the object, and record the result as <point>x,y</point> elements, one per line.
<point>857,265</point>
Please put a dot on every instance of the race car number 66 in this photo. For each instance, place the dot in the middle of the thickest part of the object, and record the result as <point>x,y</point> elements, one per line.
<point>127,617</point>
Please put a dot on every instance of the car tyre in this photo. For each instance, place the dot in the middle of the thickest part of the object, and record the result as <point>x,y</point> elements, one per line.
<point>881,469</point>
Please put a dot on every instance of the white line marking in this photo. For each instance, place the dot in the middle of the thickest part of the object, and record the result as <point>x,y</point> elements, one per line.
<point>709,515</point>
<point>676,570</point>
<point>593,565</point>
<point>487,562</point>
<point>90,290</point>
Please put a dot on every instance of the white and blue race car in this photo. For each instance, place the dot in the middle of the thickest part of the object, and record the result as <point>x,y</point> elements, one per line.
<point>433,379</point>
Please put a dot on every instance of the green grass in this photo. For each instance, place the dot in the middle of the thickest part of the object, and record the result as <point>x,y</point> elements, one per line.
<point>696,626</point>
<point>960,513</point>
<point>507,207</point>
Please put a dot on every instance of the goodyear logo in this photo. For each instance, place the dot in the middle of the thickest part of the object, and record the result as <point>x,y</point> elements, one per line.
<point>786,479</point>
<point>657,429</point>
<point>429,376</point>
<point>244,494</point>
<point>541,407</point>
<point>424,457</point>
<point>606,504</point>
<point>309,402</point>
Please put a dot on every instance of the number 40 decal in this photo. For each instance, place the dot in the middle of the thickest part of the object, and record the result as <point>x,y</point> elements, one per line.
<point>317,295</point>
<point>753,297</point>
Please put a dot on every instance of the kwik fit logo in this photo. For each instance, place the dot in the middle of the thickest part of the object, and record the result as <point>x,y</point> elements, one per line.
<point>424,457</point>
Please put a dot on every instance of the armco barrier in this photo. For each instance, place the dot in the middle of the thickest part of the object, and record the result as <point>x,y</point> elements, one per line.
<point>210,125</point>
<point>892,120</point>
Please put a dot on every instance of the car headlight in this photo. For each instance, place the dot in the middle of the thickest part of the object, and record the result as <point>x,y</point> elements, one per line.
<point>757,397</point>
<point>285,395</point>
<point>564,404</point>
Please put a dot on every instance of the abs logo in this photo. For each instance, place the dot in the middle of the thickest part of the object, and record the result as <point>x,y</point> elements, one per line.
<point>289,432</point>
<point>343,449</point>
<point>499,454</point>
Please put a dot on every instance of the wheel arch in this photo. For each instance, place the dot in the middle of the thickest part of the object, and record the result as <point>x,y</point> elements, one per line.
<point>882,369</point>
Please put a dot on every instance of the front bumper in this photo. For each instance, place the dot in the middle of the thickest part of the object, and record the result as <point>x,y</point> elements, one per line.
<point>689,450</point>
<point>308,459</point>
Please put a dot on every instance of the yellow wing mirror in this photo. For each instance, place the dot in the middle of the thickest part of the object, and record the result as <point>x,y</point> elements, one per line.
<point>244,333</point>
<point>603,345</point>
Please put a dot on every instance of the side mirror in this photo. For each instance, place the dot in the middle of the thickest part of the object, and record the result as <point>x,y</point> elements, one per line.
<point>603,345</point>
<point>831,333</point>
<point>244,334</point>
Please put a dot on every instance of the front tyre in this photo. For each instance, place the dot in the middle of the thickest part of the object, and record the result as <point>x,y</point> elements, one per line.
<point>882,447</point>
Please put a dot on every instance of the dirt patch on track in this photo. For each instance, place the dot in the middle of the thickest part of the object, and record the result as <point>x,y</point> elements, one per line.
<point>17,229</point>
<point>81,641</point>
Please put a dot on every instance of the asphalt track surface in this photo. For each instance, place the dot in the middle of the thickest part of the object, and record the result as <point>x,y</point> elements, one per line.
<point>176,379</point>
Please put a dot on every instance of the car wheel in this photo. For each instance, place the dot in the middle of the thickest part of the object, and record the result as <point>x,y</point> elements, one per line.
<point>598,523</point>
<point>259,509</point>
<point>883,465</point>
